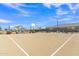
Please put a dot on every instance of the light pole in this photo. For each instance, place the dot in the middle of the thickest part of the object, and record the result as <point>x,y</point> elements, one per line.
<point>57,25</point>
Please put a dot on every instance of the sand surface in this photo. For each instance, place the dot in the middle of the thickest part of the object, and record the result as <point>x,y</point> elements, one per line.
<point>39,44</point>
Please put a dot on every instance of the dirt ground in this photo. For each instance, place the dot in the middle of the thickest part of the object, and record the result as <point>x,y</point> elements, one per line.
<point>39,44</point>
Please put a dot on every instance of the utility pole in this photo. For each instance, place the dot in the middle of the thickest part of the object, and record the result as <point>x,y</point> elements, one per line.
<point>57,25</point>
<point>57,21</point>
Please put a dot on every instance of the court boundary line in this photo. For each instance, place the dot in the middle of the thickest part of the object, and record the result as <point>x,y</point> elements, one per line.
<point>61,46</point>
<point>18,45</point>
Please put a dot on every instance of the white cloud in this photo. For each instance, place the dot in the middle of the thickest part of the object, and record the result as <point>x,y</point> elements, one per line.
<point>58,6</point>
<point>17,6</point>
<point>61,12</point>
<point>66,19</point>
<point>69,19</point>
<point>5,21</point>
<point>48,5</point>
<point>73,8</point>
<point>24,15</point>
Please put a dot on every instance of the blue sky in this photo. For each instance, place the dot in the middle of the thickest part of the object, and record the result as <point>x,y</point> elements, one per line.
<point>40,14</point>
